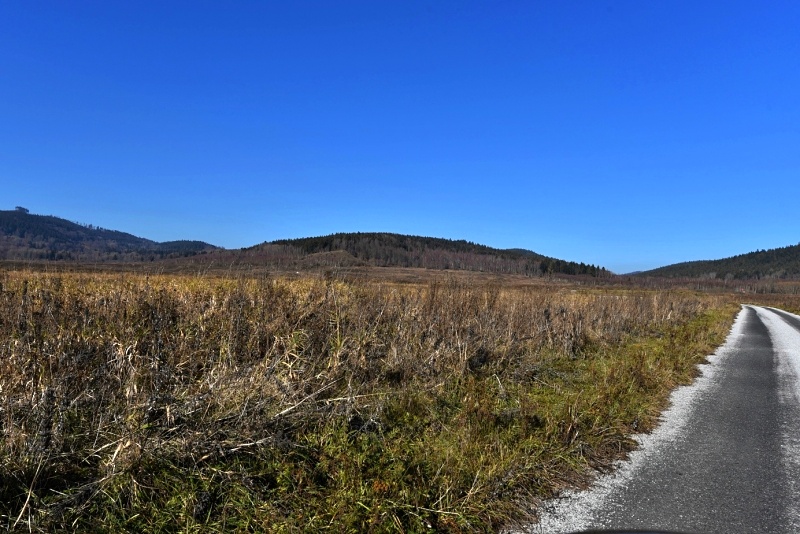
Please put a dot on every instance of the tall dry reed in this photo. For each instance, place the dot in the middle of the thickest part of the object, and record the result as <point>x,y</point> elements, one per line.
<point>140,402</point>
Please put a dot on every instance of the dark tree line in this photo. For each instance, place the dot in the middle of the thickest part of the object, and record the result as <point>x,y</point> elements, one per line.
<point>24,236</point>
<point>395,250</point>
<point>778,263</point>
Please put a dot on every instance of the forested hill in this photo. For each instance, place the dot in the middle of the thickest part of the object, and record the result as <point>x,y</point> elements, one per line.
<point>781,262</point>
<point>25,236</point>
<point>395,250</point>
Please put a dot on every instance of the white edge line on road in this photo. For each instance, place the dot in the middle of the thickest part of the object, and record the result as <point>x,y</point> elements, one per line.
<point>786,346</point>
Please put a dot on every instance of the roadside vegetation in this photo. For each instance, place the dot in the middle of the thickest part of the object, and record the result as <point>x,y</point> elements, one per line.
<point>133,402</point>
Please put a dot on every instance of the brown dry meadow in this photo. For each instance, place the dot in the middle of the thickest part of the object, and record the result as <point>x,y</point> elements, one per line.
<point>133,402</point>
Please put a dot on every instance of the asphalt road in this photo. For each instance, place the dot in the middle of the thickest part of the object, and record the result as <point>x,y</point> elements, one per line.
<point>727,457</point>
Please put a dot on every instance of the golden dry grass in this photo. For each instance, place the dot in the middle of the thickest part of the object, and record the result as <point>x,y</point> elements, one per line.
<point>188,403</point>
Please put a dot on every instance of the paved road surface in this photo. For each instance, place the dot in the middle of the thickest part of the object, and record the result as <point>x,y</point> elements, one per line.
<point>727,457</point>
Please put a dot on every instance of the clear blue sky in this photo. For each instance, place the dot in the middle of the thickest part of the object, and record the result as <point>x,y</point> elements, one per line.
<point>627,134</point>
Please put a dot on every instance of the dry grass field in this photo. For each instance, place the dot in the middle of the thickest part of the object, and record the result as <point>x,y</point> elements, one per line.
<point>136,402</point>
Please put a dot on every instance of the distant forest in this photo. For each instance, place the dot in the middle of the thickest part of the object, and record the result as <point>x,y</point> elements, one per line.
<point>395,250</point>
<point>28,237</point>
<point>24,236</point>
<point>778,263</point>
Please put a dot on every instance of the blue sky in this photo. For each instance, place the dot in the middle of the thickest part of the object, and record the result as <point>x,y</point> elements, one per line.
<point>627,134</point>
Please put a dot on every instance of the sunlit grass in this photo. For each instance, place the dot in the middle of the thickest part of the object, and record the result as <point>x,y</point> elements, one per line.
<point>149,403</point>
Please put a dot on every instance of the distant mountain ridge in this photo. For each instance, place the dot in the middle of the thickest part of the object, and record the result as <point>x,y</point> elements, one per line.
<point>777,263</point>
<point>383,249</point>
<point>25,236</point>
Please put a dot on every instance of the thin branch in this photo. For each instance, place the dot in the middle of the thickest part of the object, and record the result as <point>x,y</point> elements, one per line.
<point>30,492</point>
<point>311,396</point>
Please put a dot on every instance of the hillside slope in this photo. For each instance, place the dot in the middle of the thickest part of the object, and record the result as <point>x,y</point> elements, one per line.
<point>25,236</point>
<point>779,263</point>
<point>396,250</point>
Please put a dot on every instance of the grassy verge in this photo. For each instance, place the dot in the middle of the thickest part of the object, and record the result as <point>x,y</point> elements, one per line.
<point>145,403</point>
